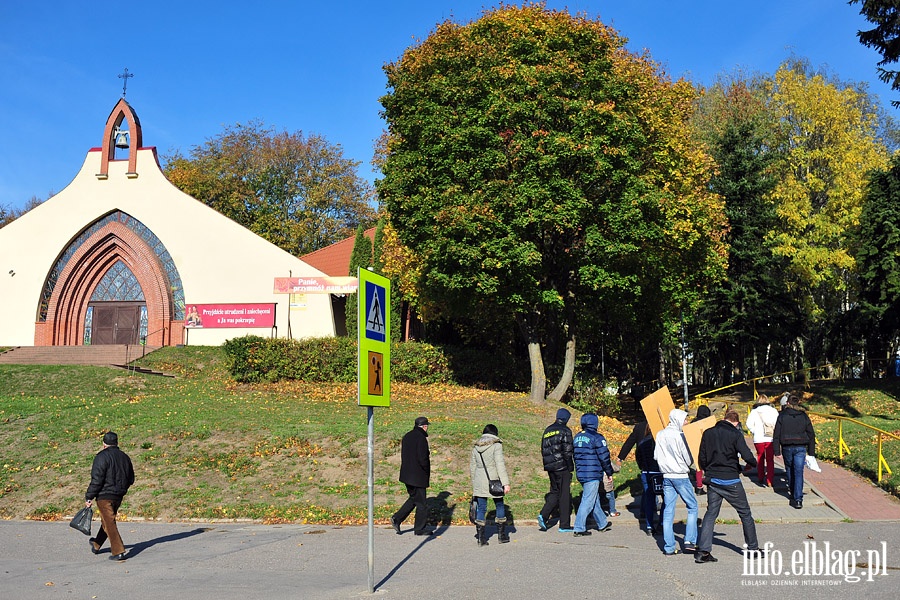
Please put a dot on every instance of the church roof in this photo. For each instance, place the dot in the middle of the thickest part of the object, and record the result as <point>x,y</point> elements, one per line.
<point>334,260</point>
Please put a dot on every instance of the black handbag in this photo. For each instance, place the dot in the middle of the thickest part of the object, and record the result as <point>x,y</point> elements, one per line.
<point>82,520</point>
<point>495,486</point>
<point>473,507</point>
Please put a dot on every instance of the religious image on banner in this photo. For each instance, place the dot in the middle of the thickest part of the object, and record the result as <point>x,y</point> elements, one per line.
<point>193,318</point>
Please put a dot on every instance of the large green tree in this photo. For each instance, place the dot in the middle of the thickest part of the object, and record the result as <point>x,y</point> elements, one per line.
<point>884,37</point>
<point>535,166</point>
<point>878,257</point>
<point>297,191</point>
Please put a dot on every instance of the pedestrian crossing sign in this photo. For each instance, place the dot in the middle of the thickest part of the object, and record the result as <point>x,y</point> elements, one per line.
<point>374,360</point>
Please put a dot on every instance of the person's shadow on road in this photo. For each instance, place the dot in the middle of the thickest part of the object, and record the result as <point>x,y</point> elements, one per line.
<point>136,549</point>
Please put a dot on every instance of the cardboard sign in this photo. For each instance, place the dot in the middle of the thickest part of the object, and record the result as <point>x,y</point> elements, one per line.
<point>693,432</point>
<point>657,407</point>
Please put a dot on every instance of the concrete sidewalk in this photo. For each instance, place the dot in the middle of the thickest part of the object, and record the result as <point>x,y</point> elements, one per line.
<point>240,561</point>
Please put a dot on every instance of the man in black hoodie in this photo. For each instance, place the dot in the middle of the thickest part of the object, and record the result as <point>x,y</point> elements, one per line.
<point>557,453</point>
<point>793,439</point>
<point>720,447</point>
<point>111,475</point>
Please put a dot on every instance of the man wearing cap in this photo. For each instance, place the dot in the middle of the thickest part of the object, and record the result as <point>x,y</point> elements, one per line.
<point>415,472</point>
<point>111,475</point>
<point>557,454</point>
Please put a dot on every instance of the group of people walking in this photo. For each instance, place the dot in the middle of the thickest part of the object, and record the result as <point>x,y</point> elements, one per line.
<point>666,469</point>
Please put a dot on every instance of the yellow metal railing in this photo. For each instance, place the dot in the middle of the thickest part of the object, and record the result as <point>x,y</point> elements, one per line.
<point>843,448</point>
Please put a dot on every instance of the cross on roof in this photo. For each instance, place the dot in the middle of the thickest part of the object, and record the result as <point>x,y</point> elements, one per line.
<point>125,77</point>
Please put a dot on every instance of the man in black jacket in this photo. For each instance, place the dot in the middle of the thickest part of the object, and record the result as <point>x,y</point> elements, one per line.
<point>793,439</point>
<point>111,475</point>
<point>557,454</point>
<point>720,447</point>
<point>415,472</point>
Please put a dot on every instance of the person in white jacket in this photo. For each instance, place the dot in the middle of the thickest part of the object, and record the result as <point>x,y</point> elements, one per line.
<point>761,423</point>
<point>674,458</point>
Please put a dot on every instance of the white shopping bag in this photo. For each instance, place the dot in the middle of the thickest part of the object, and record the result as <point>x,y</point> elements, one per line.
<point>812,463</point>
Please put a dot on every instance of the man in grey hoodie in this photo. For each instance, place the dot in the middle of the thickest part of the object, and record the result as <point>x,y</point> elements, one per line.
<point>674,458</point>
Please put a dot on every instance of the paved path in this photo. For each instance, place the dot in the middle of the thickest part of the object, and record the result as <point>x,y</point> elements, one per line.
<point>855,497</point>
<point>194,561</point>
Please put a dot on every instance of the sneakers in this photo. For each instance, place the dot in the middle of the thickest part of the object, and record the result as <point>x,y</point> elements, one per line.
<point>705,557</point>
<point>690,548</point>
<point>582,533</point>
<point>672,553</point>
<point>541,525</point>
<point>649,532</point>
<point>566,530</point>
<point>607,527</point>
<point>615,514</point>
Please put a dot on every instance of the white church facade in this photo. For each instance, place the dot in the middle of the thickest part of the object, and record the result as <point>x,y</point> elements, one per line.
<point>121,256</point>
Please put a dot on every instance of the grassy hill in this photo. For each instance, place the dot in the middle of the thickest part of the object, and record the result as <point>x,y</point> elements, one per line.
<point>205,447</point>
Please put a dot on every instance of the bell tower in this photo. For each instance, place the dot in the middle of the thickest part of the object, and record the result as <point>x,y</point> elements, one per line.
<point>116,137</point>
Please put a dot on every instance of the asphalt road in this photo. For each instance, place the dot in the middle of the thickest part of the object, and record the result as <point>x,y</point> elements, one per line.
<point>217,561</point>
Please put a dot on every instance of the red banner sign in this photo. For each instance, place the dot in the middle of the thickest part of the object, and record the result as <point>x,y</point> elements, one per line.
<point>316,285</point>
<point>214,316</point>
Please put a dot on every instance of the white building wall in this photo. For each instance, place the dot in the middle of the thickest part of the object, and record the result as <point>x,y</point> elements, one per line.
<point>218,260</point>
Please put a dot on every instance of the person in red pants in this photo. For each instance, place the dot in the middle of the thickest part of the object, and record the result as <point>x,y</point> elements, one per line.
<point>761,423</point>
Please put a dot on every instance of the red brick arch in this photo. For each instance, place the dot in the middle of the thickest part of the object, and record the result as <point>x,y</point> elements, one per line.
<point>68,303</point>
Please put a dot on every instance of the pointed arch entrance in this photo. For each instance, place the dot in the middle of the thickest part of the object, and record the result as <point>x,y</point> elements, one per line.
<point>115,280</point>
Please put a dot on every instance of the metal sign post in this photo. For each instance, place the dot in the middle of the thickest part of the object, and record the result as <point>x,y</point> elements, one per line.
<point>373,375</point>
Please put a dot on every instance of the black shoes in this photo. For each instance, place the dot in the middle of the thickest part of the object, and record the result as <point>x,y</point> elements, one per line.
<point>705,557</point>
<point>690,548</point>
<point>94,548</point>
<point>608,527</point>
<point>118,557</point>
<point>395,525</point>
<point>423,532</point>
<point>581,533</point>
<point>798,504</point>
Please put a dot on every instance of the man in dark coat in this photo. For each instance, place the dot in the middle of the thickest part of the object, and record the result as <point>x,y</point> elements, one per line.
<point>720,447</point>
<point>793,439</point>
<point>415,472</point>
<point>557,454</point>
<point>111,475</point>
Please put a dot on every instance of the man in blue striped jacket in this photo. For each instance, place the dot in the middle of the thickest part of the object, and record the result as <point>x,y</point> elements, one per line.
<point>591,463</point>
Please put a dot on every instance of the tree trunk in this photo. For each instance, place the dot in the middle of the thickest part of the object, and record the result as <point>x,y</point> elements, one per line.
<point>529,329</point>
<point>538,377</point>
<point>568,372</point>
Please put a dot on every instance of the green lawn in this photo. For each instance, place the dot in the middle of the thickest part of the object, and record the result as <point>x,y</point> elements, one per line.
<point>205,447</point>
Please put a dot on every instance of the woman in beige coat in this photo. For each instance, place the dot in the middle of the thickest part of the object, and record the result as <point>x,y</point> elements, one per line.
<point>486,464</point>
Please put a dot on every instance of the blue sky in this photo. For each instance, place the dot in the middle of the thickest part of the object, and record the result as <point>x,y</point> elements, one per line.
<point>316,67</point>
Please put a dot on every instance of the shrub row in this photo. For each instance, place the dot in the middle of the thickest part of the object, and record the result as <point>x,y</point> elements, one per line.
<point>253,359</point>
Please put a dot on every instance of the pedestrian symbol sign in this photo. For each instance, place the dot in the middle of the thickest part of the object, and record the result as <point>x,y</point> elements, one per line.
<point>374,319</point>
<point>376,326</point>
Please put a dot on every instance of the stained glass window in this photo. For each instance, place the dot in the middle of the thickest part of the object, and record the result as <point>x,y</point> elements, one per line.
<point>162,255</point>
<point>119,283</point>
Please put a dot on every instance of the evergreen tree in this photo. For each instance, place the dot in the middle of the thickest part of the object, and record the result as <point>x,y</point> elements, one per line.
<point>361,256</point>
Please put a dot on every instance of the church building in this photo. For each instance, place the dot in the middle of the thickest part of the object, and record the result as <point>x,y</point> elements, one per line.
<point>121,256</point>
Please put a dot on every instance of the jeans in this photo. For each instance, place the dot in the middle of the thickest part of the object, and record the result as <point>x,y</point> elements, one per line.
<point>611,501</point>
<point>735,496</point>
<point>481,509</point>
<point>794,461</point>
<point>765,468</point>
<point>590,504</point>
<point>685,489</point>
<point>560,495</point>
<point>648,501</point>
